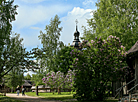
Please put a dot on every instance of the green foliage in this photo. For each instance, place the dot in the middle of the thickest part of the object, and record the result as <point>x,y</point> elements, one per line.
<point>114,17</point>
<point>12,52</point>
<point>36,78</point>
<point>63,60</point>
<point>14,78</point>
<point>97,64</point>
<point>50,41</point>
<point>69,79</point>
<point>27,77</point>
<point>7,15</point>
<point>40,55</point>
<point>14,56</point>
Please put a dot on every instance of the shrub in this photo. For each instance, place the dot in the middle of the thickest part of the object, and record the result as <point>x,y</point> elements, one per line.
<point>96,65</point>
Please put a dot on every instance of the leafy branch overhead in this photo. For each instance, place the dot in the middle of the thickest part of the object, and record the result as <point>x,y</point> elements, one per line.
<point>12,53</point>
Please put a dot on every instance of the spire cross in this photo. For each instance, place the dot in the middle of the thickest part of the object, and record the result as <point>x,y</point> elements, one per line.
<point>76,21</point>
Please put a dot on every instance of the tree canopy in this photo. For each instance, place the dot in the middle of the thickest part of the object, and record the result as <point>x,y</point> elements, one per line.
<point>63,60</point>
<point>27,77</point>
<point>7,15</point>
<point>114,17</point>
<point>14,55</point>
<point>50,41</point>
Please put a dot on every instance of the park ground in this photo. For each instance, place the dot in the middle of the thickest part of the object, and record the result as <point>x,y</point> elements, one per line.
<point>43,97</point>
<point>14,98</point>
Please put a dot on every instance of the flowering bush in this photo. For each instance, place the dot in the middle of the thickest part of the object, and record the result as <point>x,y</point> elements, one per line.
<point>50,79</point>
<point>54,80</point>
<point>96,65</point>
<point>69,79</point>
<point>58,80</point>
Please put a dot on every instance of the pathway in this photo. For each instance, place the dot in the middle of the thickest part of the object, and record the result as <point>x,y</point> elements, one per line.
<point>29,98</point>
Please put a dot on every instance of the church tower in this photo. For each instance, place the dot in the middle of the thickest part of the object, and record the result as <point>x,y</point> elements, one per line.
<point>76,41</point>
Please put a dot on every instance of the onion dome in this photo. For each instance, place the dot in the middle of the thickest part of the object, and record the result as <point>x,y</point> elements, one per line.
<point>76,34</point>
<point>76,41</point>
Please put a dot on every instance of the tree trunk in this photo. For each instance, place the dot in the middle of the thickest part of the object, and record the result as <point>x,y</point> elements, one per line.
<point>37,90</point>
<point>4,90</point>
<point>12,90</point>
<point>59,90</point>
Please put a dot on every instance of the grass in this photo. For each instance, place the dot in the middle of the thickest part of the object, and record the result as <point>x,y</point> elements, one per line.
<point>64,96</point>
<point>7,99</point>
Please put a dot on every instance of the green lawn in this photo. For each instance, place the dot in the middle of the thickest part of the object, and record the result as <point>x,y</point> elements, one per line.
<point>7,99</point>
<point>64,96</point>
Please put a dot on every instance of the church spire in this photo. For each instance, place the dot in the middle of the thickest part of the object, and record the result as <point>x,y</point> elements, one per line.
<point>76,37</point>
<point>76,34</point>
<point>76,24</point>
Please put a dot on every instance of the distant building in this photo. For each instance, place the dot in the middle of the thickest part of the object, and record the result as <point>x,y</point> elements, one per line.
<point>41,88</point>
<point>27,84</point>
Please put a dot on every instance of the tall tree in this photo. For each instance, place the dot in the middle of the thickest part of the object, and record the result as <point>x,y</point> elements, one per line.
<point>115,17</point>
<point>63,60</point>
<point>50,41</point>
<point>7,15</point>
<point>12,52</point>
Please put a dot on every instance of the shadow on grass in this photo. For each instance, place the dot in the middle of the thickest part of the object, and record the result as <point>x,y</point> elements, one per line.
<point>7,99</point>
<point>64,97</point>
<point>60,98</point>
<point>71,99</point>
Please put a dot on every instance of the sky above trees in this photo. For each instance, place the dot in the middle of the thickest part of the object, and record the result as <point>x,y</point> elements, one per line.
<point>34,15</point>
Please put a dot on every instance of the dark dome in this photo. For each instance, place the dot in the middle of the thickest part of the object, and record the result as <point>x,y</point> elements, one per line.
<point>76,33</point>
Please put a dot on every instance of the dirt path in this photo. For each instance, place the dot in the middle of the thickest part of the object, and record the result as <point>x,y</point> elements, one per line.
<point>29,98</point>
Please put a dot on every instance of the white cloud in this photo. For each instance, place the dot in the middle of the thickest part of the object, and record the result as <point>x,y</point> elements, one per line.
<point>36,28</point>
<point>69,25</point>
<point>28,16</point>
<point>88,2</point>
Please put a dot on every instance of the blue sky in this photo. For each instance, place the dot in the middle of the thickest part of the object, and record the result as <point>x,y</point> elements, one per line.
<point>34,15</point>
